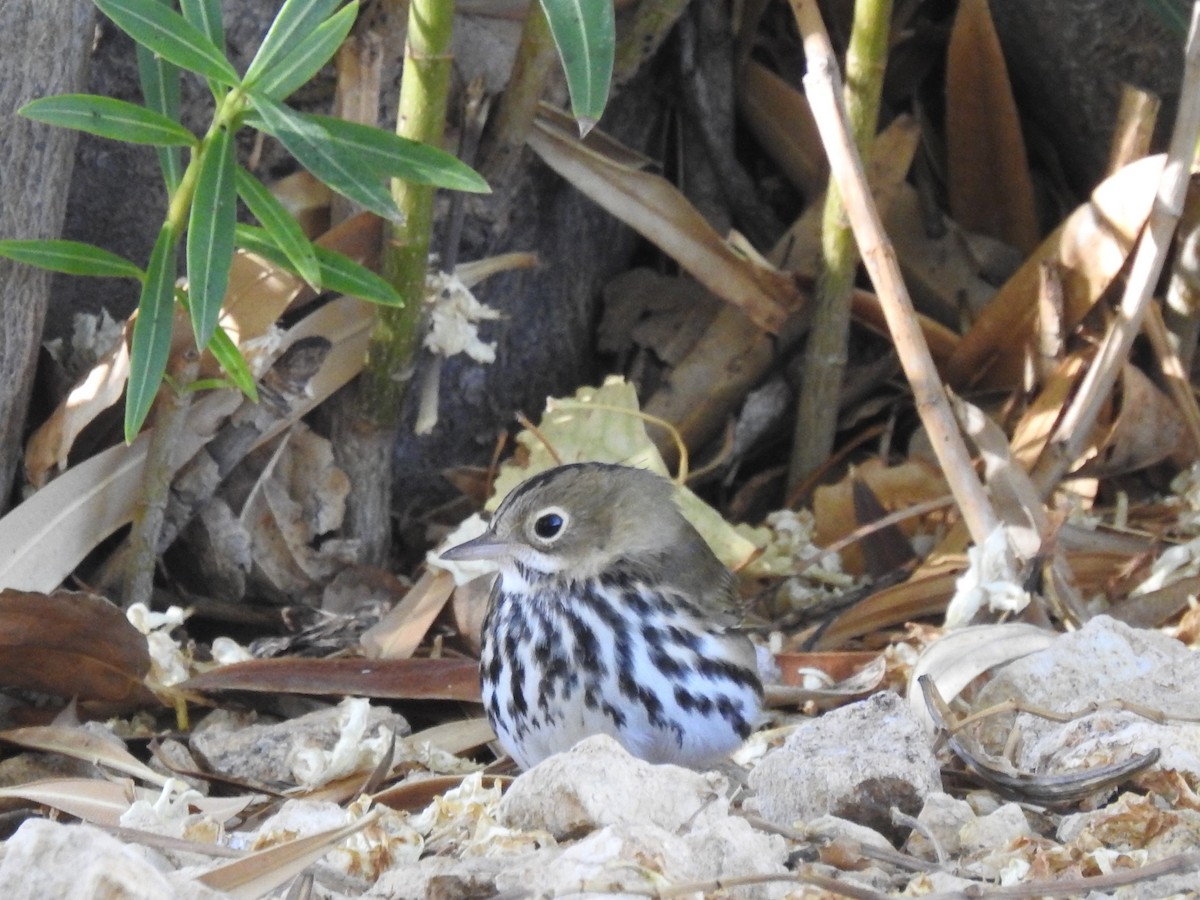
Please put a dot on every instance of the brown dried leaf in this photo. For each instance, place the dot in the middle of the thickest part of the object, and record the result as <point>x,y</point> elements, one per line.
<point>990,188</point>
<point>1089,248</point>
<point>779,117</point>
<point>400,679</point>
<point>895,487</point>
<point>50,445</point>
<point>81,744</point>
<point>398,634</point>
<point>71,645</point>
<point>655,209</point>
<point>90,799</point>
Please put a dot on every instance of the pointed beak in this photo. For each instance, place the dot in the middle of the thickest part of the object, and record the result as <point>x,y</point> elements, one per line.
<point>486,546</point>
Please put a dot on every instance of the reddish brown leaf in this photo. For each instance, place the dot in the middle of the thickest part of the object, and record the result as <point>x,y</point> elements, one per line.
<point>71,645</point>
<point>990,188</point>
<point>398,679</point>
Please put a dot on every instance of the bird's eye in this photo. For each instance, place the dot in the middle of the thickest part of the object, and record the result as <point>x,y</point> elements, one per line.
<point>549,525</point>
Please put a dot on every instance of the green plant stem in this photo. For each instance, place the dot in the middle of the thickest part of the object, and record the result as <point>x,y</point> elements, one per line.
<point>826,354</point>
<point>233,105</point>
<point>422,116</point>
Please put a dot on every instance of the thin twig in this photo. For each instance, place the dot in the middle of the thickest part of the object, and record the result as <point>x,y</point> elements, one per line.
<point>821,87</point>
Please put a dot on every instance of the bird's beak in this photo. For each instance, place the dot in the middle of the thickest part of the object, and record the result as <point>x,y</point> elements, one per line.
<point>486,546</point>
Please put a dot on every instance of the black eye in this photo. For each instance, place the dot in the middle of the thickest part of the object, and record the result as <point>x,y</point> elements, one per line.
<point>548,525</point>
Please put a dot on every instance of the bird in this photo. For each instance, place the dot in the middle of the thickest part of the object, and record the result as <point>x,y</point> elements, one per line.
<point>610,615</point>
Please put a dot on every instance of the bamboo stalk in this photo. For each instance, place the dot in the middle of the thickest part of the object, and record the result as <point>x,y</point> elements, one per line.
<point>826,353</point>
<point>821,87</point>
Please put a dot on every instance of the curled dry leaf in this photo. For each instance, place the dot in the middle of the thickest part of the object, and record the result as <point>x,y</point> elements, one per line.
<point>959,657</point>
<point>71,645</point>
<point>49,446</point>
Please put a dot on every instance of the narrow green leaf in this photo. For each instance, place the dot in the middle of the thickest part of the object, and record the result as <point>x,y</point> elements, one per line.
<point>306,60</point>
<point>172,37</point>
<point>311,143</point>
<point>109,118</point>
<point>339,273</point>
<point>206,16</point>
<point>160,90</point>
<point>585,33</point>
<point>390,155</point>
<point>71,258</point>
<point>281,228</point>
<point>210,235</point>
<point>294,22</point>
<point>151,344</point>
<point>225,351</point>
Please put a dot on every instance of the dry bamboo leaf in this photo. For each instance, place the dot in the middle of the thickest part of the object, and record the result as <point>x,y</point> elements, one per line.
<point>71,644</point>
<point>896,487</point>
<point>91,799</point>
<point>930,588</point>
<point>778,116</point>
<point>1147,429</point>
<point>1089,248</point>
<point>259,873</point>
<point>990,188</point>
<point>960,656</point>
<point>405,679</point>
<point>659,212</point>
<point>88,746</point>
<point>398,634</point>
<point>455,737</point>
<point>49,446</point>
<point>46,537</point>
<point>413,796</point>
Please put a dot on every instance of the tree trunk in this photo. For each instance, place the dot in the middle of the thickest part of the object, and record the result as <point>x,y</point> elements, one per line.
<point>45,46</point>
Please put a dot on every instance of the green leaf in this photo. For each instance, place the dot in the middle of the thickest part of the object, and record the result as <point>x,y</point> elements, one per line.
<point>281,228</point>
<point>339,273</point>
<point>172,37</point>
<point>225,351</point>
<point>206,16</point>
<point>109,118</point>
<point>390,155</point>
<point>71,258</point>
<point>294,22</point>
<point>585,33</point>
<point>210,235</point>
<point>311,143</point>
<point>151,344</point>
<point>306,60</point>
<point>160,89</point>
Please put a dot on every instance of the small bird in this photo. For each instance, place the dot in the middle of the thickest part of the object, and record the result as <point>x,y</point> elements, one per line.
<point>610,615</point>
